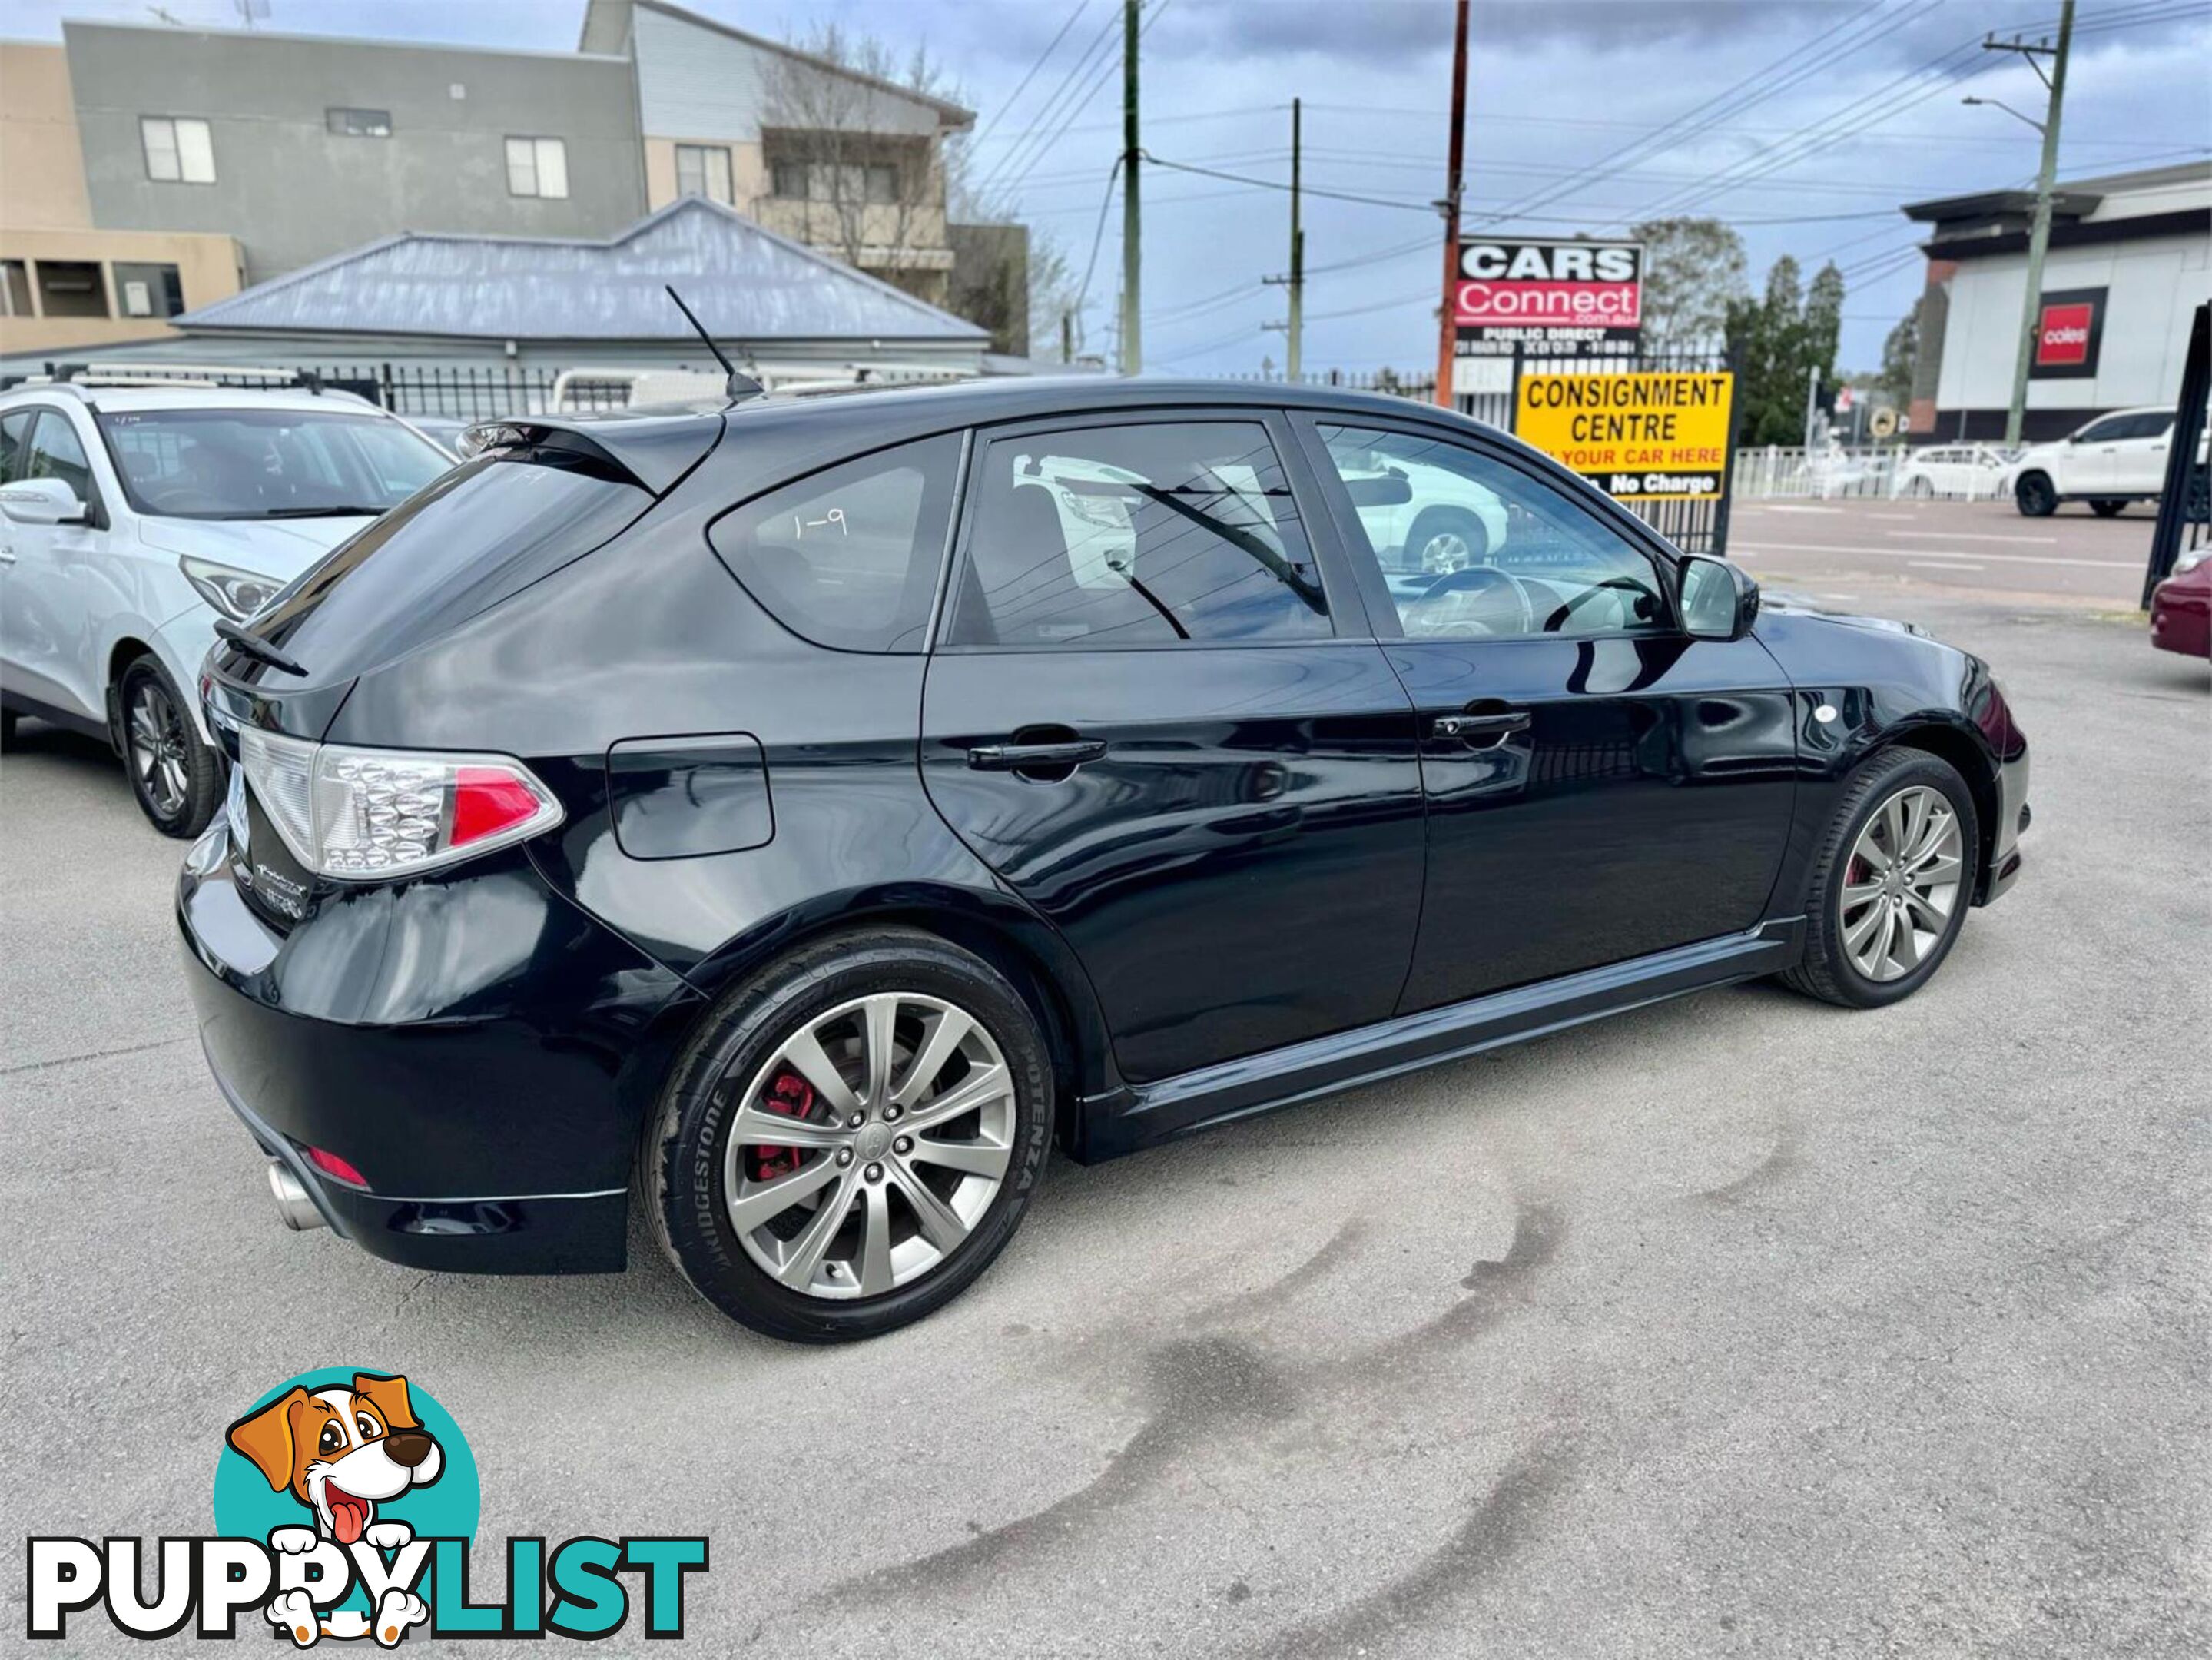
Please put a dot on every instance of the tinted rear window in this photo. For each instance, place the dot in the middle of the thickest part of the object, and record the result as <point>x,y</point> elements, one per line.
<point>481,532</point>
<point>849,556</point>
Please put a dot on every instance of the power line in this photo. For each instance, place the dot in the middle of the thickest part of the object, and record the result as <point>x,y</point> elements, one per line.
<point>1015,97</point>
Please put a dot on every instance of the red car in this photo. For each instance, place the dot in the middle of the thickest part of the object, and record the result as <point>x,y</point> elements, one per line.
<point>2181,606</point>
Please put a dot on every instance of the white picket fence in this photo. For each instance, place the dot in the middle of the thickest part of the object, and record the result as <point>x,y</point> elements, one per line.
<point>1956,472</point>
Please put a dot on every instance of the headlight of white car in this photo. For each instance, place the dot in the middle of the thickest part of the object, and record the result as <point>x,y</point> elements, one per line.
<point>237,594</point>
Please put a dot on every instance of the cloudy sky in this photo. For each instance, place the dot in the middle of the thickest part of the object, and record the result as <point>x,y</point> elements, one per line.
<point>1804,122</point>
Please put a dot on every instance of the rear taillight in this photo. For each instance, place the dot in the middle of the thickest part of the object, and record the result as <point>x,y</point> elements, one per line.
<point>364,815</point>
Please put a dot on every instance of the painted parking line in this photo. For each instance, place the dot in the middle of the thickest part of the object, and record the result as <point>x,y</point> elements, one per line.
<point>1968,536</point>
<point>1944,564</point>
<point>1913,553</point>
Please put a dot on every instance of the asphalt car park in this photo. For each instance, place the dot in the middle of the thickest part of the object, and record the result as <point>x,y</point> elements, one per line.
<point>1737,1324</point>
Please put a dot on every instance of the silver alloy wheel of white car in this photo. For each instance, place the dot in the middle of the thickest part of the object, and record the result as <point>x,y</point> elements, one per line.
<point>842,1175</point>
<point>1901,884</point>
<point>158,743</point>
<point>1445,552</point>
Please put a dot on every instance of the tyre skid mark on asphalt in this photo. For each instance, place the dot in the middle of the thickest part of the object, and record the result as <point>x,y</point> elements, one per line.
<point>1777,1162</point>
<point>1199,1387</point>
<point>1207,1391</point>
<point>1500,1521</point>
<point>1263,1299</point>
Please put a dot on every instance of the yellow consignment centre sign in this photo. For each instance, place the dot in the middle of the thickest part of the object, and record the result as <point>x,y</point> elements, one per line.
<point>1641,436</point>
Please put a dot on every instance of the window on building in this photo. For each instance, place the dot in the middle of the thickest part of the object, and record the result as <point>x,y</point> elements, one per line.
<point>880,183</point>
<point>538,166</point>
<point>703,170</point>
<point>1137,535</point>
<point>850,557</point>
<point>180,149</point>
<point>788,179</point>
<point>15,288</point>
<point>72,287</point>
<point>148,290</point>
<point>360,124</point>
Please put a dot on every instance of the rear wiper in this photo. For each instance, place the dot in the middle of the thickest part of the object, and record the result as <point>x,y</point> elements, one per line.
<point>255,647</point>
<point>341,511</point>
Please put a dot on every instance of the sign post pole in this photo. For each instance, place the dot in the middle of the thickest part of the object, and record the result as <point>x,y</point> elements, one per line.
<point>1446,328</point>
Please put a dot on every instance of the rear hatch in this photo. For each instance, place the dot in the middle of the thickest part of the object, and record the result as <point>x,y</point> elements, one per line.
<point>543,495</point>
<point>541,499</point>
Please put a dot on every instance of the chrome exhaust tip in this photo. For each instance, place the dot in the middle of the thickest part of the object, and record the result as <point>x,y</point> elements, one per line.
<point>295,1207</point>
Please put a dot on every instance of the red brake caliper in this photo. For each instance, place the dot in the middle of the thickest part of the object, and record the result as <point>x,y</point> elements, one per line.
<point>793,1097</point>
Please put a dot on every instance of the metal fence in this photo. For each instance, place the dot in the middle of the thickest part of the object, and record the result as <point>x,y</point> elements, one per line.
<point>1954,472</point>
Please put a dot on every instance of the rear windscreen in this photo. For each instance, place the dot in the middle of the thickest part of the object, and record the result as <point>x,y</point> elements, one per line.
<point>482,531</point>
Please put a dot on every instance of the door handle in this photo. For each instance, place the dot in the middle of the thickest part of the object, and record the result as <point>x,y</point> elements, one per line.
<point>1497,725</point>
<point>1023,757</point>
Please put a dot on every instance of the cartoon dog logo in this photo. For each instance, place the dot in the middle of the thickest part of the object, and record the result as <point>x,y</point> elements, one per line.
<point>341,1452</point>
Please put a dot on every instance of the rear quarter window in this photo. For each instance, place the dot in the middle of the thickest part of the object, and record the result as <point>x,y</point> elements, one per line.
<point>849,557</point>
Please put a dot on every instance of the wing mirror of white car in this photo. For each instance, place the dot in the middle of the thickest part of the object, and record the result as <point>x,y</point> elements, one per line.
<point>42,501</point>
<point>1719,600</point>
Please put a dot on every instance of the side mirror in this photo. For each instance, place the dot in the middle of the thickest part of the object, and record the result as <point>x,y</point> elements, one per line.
<point>1719,600</point>
<point>42,501</point>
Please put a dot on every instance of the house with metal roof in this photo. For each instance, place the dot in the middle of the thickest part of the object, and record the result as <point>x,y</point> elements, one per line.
<point>582,302</point>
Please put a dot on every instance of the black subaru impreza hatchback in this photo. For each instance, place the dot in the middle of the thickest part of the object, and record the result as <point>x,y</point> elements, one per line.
<point>797,818</point>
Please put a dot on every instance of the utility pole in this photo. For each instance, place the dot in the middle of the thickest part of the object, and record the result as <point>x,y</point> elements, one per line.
<point>1449,208</point>
<point>1133,347</point>
<point>1067,334</point>
<point>2038,236</point>
<point>1295,282</point>
<point>1298,251</point>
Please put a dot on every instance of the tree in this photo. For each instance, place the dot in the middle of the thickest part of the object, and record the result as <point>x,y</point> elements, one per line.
<point>1781,341</point>
<point>869,186</point>
<point>873,188</point>
<point>1693,272</point>
<point>1900,356</point>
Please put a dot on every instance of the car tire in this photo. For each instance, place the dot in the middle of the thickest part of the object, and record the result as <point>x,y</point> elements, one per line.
<point>1850,959</point>
<point>2105,508</point>
<point>7,727</point>
<point>736,1077</point>
<point>1923,490</point>
<point>1462,538</point>
<point>2034,496</point>
<point>177,779</point>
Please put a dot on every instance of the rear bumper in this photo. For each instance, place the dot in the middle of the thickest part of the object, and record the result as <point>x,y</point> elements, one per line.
<point>492,1113</point>
<point>2180,620</point>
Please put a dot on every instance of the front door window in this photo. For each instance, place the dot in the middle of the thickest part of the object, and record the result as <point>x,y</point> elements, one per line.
<point>1470,547</point>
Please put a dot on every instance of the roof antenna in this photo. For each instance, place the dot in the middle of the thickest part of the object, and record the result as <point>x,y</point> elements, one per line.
<point>738,386</point>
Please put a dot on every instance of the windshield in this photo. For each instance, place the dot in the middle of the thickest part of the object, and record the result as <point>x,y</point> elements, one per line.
<point>265,463</point>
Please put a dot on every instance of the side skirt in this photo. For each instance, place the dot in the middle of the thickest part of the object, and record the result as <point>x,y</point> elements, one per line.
<point>1128,1119</point>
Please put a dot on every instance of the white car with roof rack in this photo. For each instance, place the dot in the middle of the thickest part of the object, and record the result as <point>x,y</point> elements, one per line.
<point>143,507</point>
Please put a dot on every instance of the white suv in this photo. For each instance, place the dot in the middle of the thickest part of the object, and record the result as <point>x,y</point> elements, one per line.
<point>2116,459</point>
<point>133,519</point>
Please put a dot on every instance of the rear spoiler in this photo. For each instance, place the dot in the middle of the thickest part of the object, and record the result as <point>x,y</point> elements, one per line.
<point>651,450</point>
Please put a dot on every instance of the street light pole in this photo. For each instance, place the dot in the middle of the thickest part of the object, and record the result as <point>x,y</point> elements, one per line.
<point>2038,236</point>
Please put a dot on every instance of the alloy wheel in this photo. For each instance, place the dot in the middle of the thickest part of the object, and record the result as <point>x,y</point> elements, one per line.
<point>870,1145</point>
<point>1902,884</point>
<point>158,748</point>
<point>1445,552</point>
